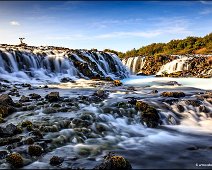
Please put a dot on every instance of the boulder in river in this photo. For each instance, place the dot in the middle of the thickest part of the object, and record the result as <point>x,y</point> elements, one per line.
<point>173,94</point>
<point>5,99</point>
<point>114,162</point>
<point>149,114</point>
<point>16,160</point>
<point>53,97</point>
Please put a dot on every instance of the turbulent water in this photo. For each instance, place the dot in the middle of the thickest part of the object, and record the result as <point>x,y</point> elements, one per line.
<point>134,63</point>
<point>34,64</point>
<point>183,140</point>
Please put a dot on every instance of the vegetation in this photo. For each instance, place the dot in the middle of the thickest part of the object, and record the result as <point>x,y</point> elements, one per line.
<point>189,45</point>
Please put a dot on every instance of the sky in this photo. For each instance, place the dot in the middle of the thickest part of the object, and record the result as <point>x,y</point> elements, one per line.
<point>118,25</point>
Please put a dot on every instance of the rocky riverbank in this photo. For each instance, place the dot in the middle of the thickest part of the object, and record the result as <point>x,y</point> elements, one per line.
<point>75,124</point>
<point>172,66</point>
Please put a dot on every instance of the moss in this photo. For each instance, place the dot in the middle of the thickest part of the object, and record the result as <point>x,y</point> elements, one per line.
<point>35,150</point>
<point>15,159</point>
<point>26,123</point>
<point>117,82</point>
<point>55,161</point>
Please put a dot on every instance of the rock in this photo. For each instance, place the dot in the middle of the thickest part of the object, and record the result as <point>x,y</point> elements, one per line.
<point>49,110</point>
<point>35,96</point>
<point>180,108</point>
<point>29,141</point>
<point>53,97</point>
<point>5,99</point>
<point>101,93</point>
<point>9,140</point>
<point>114,163</point>
<point>55,161</point>
<point>35,150</point>
<point>26,85</point>
<point>10,130</point>
<point>173,83</point>
<point>66,80</point>
<point>3,154</point>
<point>149,114</point>
<point>117,82</point>
<point>194,103</point>
<point>154,91</point>
<point>173,94</point>
<point>132,101</point>
<point>26,123</point>
<point>16,160</point>
<point>204,109</point>
<point>6,110</point>
<point>24,99</point>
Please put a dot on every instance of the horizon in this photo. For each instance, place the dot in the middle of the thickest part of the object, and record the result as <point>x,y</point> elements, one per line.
<point>99,25</point>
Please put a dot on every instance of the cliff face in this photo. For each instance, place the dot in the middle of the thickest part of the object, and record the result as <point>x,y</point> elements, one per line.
<point>173,66</point>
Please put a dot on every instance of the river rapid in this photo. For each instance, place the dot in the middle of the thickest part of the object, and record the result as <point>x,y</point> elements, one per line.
<point>183,140</point>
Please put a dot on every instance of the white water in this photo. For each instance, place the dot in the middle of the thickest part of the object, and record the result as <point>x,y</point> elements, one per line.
<point>26,66</point>
<point>134,64</point>
<point>143,81</point>
<point>180,64</point>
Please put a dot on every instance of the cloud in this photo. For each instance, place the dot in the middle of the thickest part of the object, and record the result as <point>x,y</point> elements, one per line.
<point>206,2</point>
<point>14,23</point>
<point>206,11</point>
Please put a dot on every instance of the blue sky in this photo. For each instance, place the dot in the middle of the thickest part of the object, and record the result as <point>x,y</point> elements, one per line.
<point>106,24</point>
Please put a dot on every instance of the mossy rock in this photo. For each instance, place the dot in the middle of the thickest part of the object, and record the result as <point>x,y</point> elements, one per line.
<point>16,160</point>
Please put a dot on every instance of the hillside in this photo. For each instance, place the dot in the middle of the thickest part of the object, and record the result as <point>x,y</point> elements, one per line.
<point>189,45</point>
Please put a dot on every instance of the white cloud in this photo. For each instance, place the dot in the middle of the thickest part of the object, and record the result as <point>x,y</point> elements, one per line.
<point>14,23</point>
<point>206,11</point>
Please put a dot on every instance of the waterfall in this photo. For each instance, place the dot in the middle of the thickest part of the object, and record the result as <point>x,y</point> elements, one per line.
<point>176,65</point>
<point>48,64</point>
<point>134,64</point>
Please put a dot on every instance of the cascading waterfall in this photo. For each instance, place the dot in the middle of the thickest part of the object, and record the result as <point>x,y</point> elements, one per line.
<point>48,64</point>
<point>134,64</point>
<point>180,64</point>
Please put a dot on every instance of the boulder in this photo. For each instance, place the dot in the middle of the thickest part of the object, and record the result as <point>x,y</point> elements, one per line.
<point>149,115</point>
<point>173,94</point>
<point>5,99</point>
<point>114,162</point>
<point>53,97</point>
<point>24,99</point>
<point>35,96</point>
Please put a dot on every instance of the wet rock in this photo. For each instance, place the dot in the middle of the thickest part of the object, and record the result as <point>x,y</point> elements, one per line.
<point>101,94</point>
<point>173,83</point>
<point>180,108</point>
<point>35,96</point>
<point>114,162</point>
<point>5,99</point>
<point>194,103</point>
<point>55,161</point>
<point>24,99</point>
<point>131,88</point>
<point>26,85</point>
<point>16,160</point>
<point>29,141</point>
<point>149,114</point>
<point>204,109</point>
<point>10,130</point>
<point>173,94</point>
<point>35,150</point>
<point>76,122</point>
<point>53,97</point>
<point>154,91</point>
<point>132,101</point>
<point>66,80</point>
<point>26,123</point>
<point>6,110</point>
<point>49,110</point>
<point>3,154</point>
<point>9,140</point>
<point>117,82</point>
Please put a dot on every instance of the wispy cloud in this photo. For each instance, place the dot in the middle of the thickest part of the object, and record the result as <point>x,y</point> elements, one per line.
<point>14,23</point>
<point>206,2</point>
<point>206,11</point>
